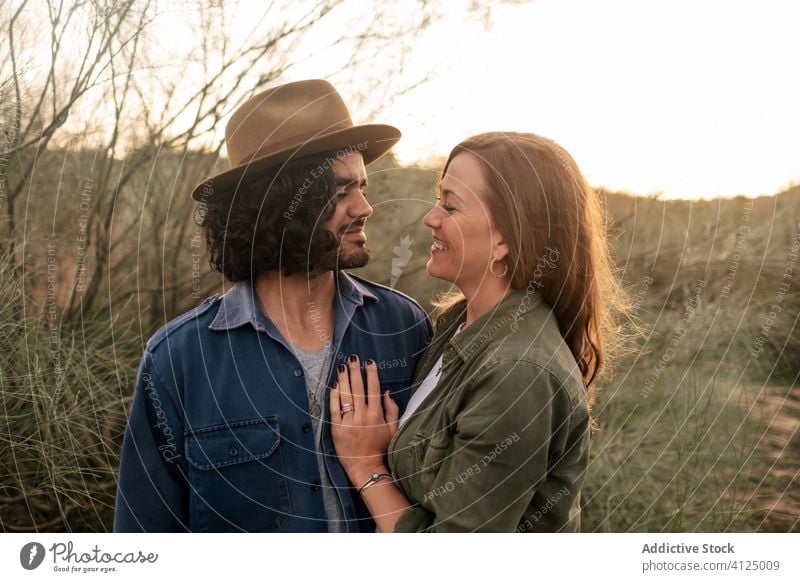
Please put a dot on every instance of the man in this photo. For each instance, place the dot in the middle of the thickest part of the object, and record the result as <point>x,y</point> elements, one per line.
<point>229,429</point>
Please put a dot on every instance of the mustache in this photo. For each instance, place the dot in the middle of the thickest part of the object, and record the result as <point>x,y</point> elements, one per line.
<point>355,224</point>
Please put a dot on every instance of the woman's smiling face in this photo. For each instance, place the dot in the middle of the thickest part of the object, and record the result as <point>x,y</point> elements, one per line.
<point>464,240</point>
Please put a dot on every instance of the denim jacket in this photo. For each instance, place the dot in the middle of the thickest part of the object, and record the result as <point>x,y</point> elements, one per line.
<point>502,442</point>
<point>219,436</point>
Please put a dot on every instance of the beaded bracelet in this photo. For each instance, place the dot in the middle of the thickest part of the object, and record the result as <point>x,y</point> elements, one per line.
<point>374,479</point>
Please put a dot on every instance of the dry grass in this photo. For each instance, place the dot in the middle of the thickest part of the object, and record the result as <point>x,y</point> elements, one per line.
<point>698,429</point>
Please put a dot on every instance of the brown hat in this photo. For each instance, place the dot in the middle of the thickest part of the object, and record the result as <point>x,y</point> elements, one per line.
<point>289,122</point>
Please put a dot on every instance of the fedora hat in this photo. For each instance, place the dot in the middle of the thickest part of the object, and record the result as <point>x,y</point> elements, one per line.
<point>288,122</point>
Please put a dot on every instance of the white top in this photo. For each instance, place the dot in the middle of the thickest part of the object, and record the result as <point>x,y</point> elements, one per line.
<point>427,386</point>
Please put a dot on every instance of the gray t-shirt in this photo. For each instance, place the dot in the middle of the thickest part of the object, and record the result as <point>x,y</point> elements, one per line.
<point>316,366</point>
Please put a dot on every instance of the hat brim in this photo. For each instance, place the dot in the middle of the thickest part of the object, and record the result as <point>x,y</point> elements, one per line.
<point>372,141</point>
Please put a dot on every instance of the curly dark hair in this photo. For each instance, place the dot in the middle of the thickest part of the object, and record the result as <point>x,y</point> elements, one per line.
<point>273,222</point>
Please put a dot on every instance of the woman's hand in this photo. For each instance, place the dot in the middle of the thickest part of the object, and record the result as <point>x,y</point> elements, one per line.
<point>362,422</point>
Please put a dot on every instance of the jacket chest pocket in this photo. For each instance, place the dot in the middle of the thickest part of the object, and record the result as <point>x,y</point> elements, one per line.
<point>238,482</point>
<point>431,452</point>
<point>427,453</point>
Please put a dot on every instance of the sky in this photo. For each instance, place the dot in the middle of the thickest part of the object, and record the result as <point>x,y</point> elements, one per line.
<point>687,99</point>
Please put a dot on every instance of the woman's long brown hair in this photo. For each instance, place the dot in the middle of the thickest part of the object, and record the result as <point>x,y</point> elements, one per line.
<point>553,224</point>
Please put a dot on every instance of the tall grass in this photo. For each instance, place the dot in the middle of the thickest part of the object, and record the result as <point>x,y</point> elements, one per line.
<point>688,439</point>
<point>696,427</point>
<point>680,459</point>
<point>64,394</point>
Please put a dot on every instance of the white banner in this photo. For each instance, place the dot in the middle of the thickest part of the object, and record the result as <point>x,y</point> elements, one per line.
<point>382,558</point>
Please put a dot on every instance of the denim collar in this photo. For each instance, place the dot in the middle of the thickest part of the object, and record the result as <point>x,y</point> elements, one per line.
<point>240,305</point>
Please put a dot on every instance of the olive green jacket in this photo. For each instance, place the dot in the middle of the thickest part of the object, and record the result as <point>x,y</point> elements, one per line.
<point>502,442</point>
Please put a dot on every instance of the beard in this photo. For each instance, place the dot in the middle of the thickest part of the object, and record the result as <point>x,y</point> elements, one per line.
<point>343,259</point>
<point>351,255</point>
<point>345,255</point>
<point>353,259</point>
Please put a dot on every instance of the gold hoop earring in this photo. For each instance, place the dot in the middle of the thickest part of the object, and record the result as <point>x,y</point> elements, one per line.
<point>498,275</point>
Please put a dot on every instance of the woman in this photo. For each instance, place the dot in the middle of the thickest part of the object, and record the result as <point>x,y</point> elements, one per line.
<point>496,434</point>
